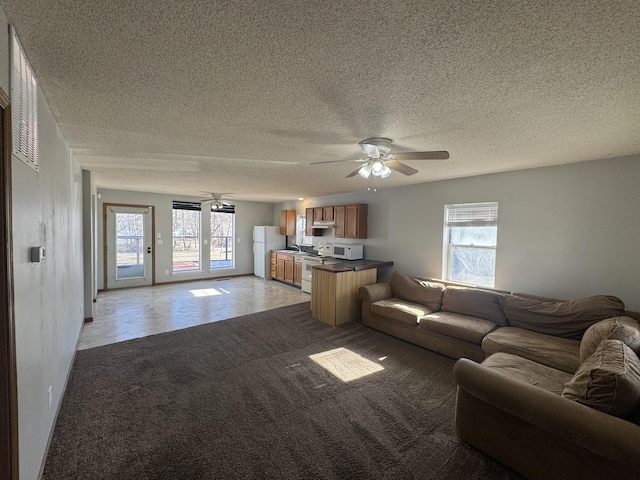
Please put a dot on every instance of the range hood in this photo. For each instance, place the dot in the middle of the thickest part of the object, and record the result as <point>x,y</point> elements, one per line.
<point>323,224</point>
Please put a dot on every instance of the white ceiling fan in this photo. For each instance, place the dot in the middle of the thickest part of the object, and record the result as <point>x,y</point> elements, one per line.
<point>216,201</point>
<point>380,162</point>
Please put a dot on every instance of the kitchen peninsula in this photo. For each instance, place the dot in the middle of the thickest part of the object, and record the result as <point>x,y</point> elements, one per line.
<point>334,289</point>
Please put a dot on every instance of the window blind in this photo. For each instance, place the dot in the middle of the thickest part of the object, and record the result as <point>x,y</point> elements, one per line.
<point>24,99</point>
<point>187,205</point>
<point>197,206</point>
<point>471,215</point>
<point>224,209</point>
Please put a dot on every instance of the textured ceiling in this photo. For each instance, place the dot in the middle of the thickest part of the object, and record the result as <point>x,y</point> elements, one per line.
<point>240,96</point>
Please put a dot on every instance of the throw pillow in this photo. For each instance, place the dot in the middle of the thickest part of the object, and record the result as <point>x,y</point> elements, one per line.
<point>562,319</point>
<point>609,380</point>
<point>413,290</point>
<point>474,302</point>
<point>617,328</point>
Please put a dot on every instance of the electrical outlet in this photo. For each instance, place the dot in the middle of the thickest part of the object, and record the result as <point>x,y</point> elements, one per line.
<point>50,386</point>
<point>166,271</point>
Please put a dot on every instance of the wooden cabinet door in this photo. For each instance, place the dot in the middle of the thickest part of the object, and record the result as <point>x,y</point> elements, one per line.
<point>318,214</point>
<point>327,213</point>
<point>274,265</point>
<point>288,271</point>
<point>351,221</point>
<point>287,222</point>
<point>309,222</point>
<point>339,219</point>
<point>279,268</point>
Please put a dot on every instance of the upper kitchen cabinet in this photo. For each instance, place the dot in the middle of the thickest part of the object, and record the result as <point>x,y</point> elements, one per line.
<point>287,222</point>
<point>322,214</point>
<point>351,220</point>
<point>314,214</point>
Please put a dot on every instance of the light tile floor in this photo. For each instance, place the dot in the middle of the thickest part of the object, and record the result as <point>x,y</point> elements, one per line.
<point>124,314</point>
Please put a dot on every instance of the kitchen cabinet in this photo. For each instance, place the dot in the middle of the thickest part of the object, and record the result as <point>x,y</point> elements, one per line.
<point>334,294</point>
<point>286,268</point>
<point>287,222</point>
<point>322,214</point>
<point>280,259</point>
<point>351,220</point>
<point>289,269</point>
<point>310,217</point>
<point>274,265</point>
<point>318,214</point>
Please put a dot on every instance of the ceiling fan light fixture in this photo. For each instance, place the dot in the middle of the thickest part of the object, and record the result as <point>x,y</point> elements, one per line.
<point>365,170</point>
<point>377,167</point>
<point>386,171</point>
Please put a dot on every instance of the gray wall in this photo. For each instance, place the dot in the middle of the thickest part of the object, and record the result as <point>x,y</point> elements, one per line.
<point>567,231</point>
<point>248,214</point>
<point>47,211</point>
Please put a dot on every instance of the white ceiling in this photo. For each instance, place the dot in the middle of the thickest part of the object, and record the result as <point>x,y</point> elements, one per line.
<point>240,96</point>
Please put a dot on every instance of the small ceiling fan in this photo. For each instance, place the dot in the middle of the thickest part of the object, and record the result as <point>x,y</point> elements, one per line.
<point>380,162</point>
<point>216,200</point>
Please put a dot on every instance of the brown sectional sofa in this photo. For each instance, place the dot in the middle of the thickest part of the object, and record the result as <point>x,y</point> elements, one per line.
<point>550,388</point>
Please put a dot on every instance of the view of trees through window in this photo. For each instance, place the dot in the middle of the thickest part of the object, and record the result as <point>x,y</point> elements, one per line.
<point>129,245</point>
<point>471,233</point>
<point>221,243</point>
<point>186,240</point>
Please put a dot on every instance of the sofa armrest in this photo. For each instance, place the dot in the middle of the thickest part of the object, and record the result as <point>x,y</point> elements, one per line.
<point>375,292</point>
<point>371,294</point>
<point>605,435</point>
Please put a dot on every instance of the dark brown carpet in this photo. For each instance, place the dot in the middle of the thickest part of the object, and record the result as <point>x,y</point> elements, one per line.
<point>243,399</point>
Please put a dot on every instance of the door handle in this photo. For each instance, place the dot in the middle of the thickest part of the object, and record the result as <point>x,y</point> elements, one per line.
<point>148,249</point>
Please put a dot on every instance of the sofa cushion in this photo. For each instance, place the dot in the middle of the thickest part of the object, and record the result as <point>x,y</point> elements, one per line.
<point>464,327</point>
<point>413,290</point>
<point>609,380</point>
<point>562,319</point>
<point>474,302</point>
<point>400,310</point>
<point>560,353</point>
<point>617,328</point>
<point>528,371</point>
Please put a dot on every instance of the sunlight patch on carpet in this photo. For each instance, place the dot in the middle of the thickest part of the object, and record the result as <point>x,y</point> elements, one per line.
<point>345,364</point>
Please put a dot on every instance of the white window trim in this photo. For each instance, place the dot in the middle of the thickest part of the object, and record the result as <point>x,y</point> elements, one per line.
<point>487,218</point>
<point>200,243</point>
<point>233,239</point>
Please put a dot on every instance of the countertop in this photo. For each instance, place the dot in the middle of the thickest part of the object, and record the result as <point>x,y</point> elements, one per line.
<point>352,265</point>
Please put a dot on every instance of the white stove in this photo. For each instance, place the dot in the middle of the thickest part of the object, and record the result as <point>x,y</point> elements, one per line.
<point>307,269</point>
<point>307,265</point>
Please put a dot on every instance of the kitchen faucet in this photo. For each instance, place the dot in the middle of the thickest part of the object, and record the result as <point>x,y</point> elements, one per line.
<point>297,246</point>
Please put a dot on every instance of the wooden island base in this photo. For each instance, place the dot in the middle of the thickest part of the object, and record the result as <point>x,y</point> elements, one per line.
<point>334,294</point>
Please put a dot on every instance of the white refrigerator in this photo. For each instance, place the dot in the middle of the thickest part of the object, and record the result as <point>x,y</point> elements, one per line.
<point>265,239</point>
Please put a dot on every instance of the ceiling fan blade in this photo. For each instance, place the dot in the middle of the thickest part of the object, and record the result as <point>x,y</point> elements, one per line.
<point>354,173</point>
<point>338,161</point>
<point>435,155</point>
<point>401,167</point>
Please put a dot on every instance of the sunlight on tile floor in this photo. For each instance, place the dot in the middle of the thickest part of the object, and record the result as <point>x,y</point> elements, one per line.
<point>124,314</point>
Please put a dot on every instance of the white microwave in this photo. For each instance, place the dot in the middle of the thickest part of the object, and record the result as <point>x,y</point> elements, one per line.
<point>347,252</point>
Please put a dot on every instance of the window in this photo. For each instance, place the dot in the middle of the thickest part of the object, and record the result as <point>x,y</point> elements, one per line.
<point>186,236</point>
<point>24,99</point>
<point>129,245</point>
<point>470,239</point>
<point>221,244</point>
